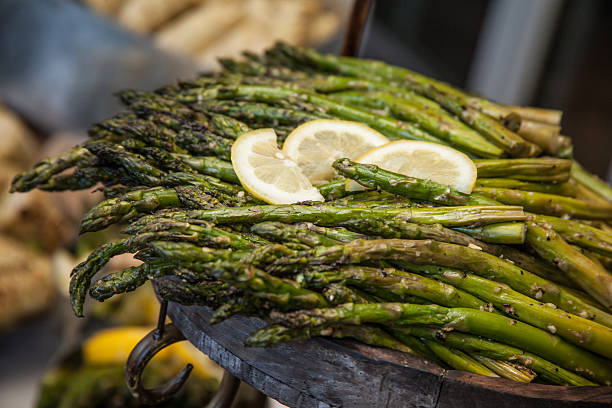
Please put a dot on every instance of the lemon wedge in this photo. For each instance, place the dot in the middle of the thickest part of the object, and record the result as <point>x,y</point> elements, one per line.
<point>424,160</point>
<point>267,173</point>
<point>316,144</point>
<point>114,345</point>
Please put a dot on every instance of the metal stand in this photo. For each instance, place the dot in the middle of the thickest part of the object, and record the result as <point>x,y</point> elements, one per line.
<point>356,25</point>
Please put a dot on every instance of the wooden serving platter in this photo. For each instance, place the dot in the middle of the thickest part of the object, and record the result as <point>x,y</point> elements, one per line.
<point>324,373</point>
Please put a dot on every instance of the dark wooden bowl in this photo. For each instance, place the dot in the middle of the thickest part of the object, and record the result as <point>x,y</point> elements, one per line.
<point>324,373</point>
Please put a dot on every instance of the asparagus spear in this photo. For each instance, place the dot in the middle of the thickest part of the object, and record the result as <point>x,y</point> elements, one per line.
<point>334,216</point>
<point>585,236</point>
<point>47,168</point>
<point>459,360</point>
<point>392,128</point>
<point>548,204</point>
<point>333,190</point>
<point>200,192</point>
<point>276,334</point>
<point>546,136</point>
<point>591,181</point>
<point>435,122</point>
<point>540,169</point>
<point>450,255</point>
<point>304,233</point>
<point>450,98</point>
<point>211,166</point>
<point>473,321</point>
<point>137,202</point>
<point>401,229</point>
<point>261,113</point>
<point>550,116</point>
<point>514,372</point>
<point>286,294</point>
<point>502,233</point>
<point>136,166</point>
<point>564,189</point>
<point>393,285</point>
<point>468,343</point>
<point>594,279</point>
<point>572,328</point>
<point>210,293</point>
<point>168,229</point>
<point>128,279</point>
<point>374,177</point>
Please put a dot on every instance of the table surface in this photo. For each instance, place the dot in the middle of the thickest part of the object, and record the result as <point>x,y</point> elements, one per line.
<point>325,373</point>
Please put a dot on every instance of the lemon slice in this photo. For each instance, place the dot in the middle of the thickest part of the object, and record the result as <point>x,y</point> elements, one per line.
<point>424,160</point>
<point>114,345</point>
<point>267,173</point>
<point>316,144</point>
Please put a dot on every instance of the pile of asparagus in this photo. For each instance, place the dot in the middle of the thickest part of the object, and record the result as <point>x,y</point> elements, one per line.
<point>512,280</point>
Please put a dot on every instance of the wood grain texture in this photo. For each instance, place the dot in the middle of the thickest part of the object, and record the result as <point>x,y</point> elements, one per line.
<point>324,373</point>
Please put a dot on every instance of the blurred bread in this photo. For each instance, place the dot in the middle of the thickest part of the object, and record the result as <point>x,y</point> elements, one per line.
<point>322,28</point>
<point>201,27</point>
<point>17,143</point>
<point>144,16</point>
<point>105,7</point>
<point>26,286</point>
<point>268,21</point>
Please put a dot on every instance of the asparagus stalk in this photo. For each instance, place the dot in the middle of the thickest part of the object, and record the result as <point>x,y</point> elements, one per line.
<point>594,279</point>
<point>169,229</point>
<point>405,230</point>
<point>276,334</point>
<point>46,168</point>
<point>209,293</point>
<point>591,181</point>
<point>128,279</point>
<point>473,344</point>
<point>286,294</point>
<point>438,124</point>
<point>572,328</point>
<point>326,215</point>
<point>548,204</point>
<point>564,189</point>
<point>137,202</point>
<point>211,166</point>
<point>393,285</point>
<point>333,190</point>
<point>540,169</point>
<point>374,177</point>
<point>304,233</point>
<point>585,194</point>
<point>392,128</point>
<point>261,113</point>
<point>427,252</point>
<point>471,321</point>
<point>136,166</point>
<point>450,98</point>
<point>546,136</point>
<point>585,236</point>
<point>504,369</point>
<point>502,233</point>
<point>459,360</point>
<point>191,191</point>
<point>550,116</point>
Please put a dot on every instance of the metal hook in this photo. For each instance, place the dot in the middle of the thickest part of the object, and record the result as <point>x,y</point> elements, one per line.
<point>161,319</point>
<point>140,356</point>
<point>356,25</point>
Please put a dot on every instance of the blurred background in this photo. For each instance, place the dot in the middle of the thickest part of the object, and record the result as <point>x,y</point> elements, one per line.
<point>62,60</point>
